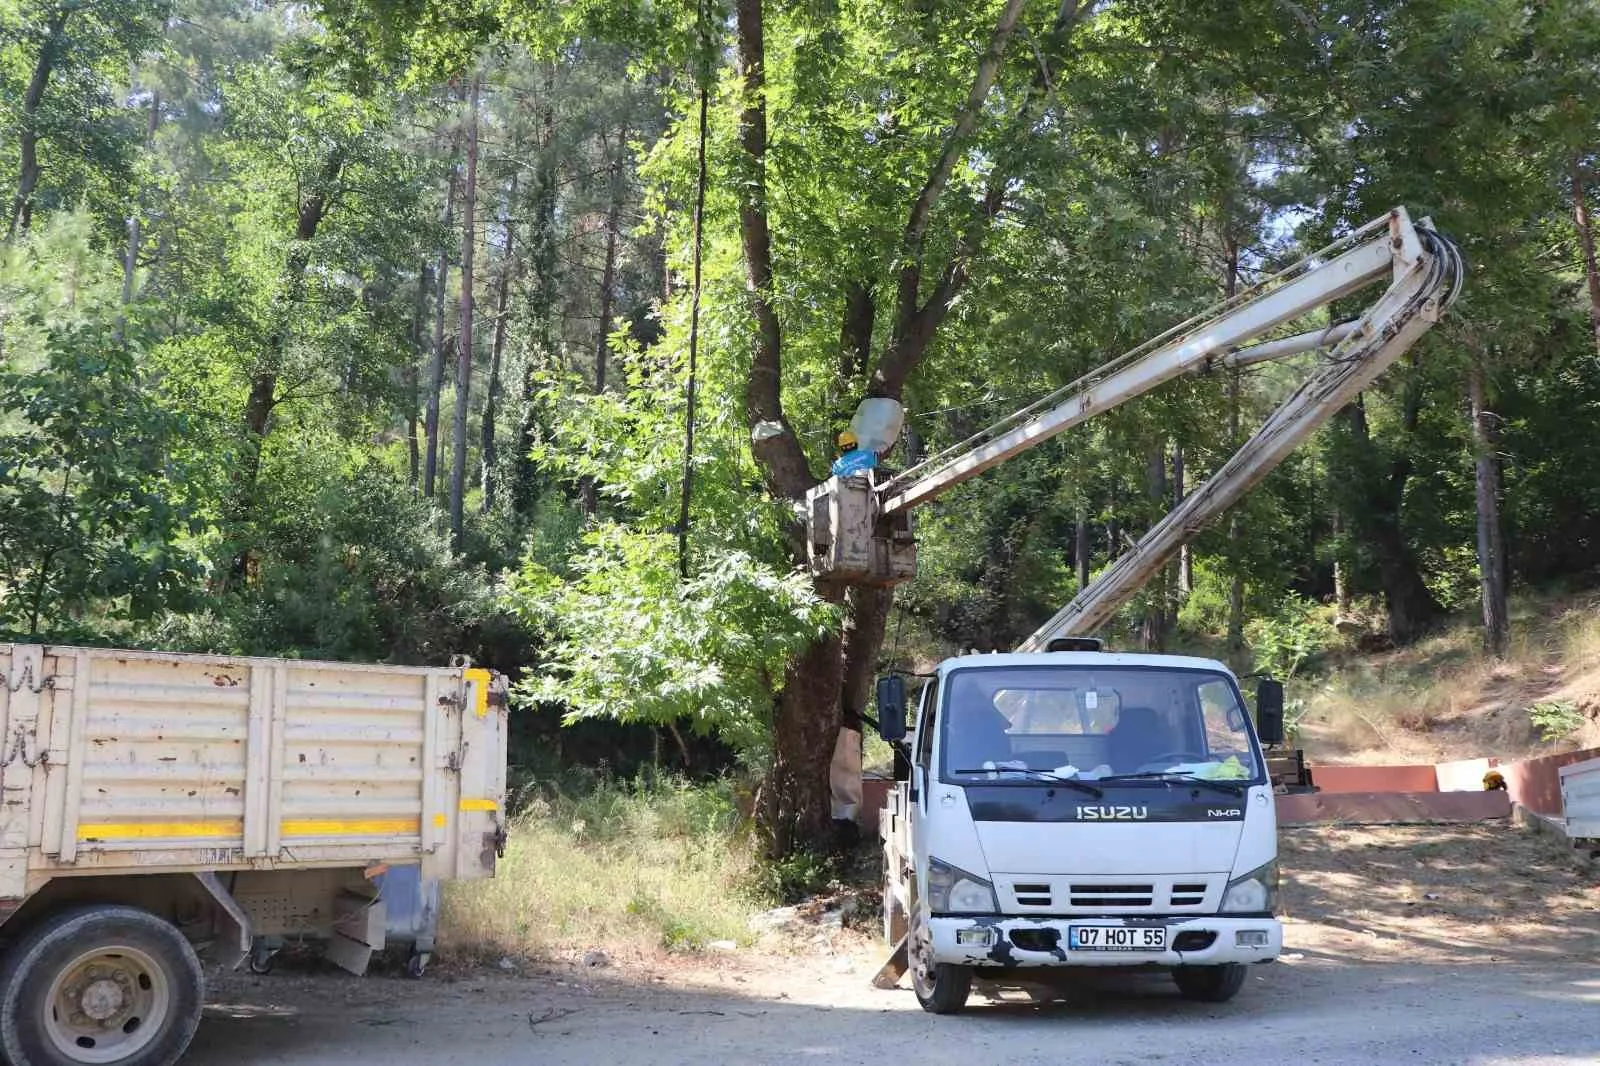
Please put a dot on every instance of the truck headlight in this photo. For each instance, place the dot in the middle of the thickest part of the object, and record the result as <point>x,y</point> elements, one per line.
<point>1254,893</point>
<point>951,890</point>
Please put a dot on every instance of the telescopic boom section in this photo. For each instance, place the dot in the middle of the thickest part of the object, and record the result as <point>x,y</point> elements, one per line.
<point>860,532</point>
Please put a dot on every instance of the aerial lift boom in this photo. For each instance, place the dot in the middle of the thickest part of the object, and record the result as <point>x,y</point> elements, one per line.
<point>860,529</point>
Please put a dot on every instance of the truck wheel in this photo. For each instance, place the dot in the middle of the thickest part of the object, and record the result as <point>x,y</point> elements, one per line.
<point>105,985</point>
<point>941,987</point>
<point>1210,984</point>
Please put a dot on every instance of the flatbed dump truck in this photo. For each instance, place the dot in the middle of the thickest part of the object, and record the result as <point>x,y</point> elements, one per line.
<point>154,804</point>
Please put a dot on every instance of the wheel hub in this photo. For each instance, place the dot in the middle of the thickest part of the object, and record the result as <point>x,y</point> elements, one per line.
<point>103,999</point>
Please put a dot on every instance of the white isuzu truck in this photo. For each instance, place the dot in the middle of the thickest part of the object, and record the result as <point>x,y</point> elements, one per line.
<point>1080,808</point>
<point>1066,807</point>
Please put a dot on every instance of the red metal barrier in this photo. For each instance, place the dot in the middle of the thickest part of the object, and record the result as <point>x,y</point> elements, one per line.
<point>1391,808</point>
<point>1536,783</point>
<point>1414,778</point>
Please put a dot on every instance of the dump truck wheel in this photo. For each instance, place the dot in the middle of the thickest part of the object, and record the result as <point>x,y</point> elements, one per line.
<point>1210,984</point>
<point>99,986</point>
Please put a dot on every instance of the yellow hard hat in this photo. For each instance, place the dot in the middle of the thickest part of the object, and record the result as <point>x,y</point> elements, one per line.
<point>847,439</point>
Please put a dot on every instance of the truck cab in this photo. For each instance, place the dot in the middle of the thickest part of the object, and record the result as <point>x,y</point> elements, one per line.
<point>1080,808</point>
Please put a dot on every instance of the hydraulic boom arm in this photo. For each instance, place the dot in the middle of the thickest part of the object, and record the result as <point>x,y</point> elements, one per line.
<point>860,531</point>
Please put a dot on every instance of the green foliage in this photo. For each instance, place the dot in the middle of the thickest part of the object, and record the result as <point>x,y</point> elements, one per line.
<point>353,567</point>
<point>1555,719</point>
<point>631,641</point>
<point>94,527</point>
<point>794,877</point>
<point>289,165</point>
<point>1286,642</point>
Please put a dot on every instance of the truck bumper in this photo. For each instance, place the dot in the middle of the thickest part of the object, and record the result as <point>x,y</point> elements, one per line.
<point>1007,941</point>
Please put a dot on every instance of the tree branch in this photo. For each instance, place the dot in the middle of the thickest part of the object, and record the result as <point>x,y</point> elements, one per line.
<point>916,323</point>
<point>773,441</point>
<point>960,133</point>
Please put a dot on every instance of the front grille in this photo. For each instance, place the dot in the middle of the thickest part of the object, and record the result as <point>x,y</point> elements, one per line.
<point>1112,895</point>
<point>1031,895</point>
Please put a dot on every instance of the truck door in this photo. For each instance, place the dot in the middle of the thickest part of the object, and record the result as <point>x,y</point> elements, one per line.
<point>922,766</point>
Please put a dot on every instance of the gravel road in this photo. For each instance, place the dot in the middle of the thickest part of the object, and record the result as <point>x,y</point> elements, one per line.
<point>1312,1010</point>
<point>1472,946</point>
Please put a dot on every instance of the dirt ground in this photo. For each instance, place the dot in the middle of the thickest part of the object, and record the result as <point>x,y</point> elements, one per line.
<point>1441,945</point>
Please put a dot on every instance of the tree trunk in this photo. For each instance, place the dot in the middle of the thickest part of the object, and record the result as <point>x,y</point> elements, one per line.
<point>1153,628</point>
<point>1491,554</point>
<point>469,241</point>
<point>1580,217</point>
<point>130,261</point>
<point>542,263</point>
<point>588,491</point>
<point>1185,559</point>
<point>1230,287</point>
<point>1341,579</point>
<point>28,132</point>
<point>1411,606</point>
<point>608,275</point>
<point>491,403</point>
<point>263,397</point>
<point>413,376</point>
<point>1080,545</point>
<point>806,720</point>
<point>430,466</point>
<point>797,792</point>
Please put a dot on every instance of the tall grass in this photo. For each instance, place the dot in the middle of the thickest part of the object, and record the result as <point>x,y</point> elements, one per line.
<point>631,867</point>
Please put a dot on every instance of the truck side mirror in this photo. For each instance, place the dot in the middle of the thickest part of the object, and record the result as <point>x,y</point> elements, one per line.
<point>1269,711</point>
<point>892,707</point>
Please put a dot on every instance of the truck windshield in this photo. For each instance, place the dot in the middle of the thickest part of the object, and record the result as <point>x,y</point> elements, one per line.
<point>1090,723</point>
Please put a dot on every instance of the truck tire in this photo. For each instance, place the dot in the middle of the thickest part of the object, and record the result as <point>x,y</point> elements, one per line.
<point>942,987</point>
<point>103,985</point>
<point>1210,984</point>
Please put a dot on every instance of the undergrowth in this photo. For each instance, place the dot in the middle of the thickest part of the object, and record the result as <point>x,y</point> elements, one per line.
<point>632,867</point>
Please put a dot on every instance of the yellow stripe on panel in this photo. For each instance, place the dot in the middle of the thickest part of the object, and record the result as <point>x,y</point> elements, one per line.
<point>369,828</point>
<point>480,680</point>
<point>479,805</point>
<point>159,830</point>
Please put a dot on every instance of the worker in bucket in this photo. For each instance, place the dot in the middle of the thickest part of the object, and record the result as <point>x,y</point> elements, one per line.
<point>873,431</point>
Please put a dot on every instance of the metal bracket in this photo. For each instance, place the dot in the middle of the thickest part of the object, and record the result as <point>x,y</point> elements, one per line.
<point>225,900</point>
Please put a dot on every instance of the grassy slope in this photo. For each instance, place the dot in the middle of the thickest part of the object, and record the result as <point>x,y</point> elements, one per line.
<point>1443,698</point>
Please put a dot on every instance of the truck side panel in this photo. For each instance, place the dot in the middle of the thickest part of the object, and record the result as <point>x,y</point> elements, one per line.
<point>125,761</point>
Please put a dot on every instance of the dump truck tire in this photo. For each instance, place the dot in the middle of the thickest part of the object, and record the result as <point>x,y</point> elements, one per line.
<point>102,985</point>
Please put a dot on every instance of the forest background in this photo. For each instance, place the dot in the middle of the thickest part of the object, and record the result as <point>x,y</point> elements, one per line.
<point>375,331</point>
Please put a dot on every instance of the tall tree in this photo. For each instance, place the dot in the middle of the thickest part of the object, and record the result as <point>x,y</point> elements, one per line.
<point>1491,552</point>
<point>464,352</point>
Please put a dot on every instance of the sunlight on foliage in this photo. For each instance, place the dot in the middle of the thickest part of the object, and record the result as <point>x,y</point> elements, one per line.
<point>633,642</point>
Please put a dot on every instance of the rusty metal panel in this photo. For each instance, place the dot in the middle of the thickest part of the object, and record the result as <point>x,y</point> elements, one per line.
<point>164,753</point>
<point>353,744</point>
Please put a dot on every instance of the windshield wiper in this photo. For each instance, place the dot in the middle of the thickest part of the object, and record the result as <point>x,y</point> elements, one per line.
<point>1174,775</point>
<point>1042,775</point>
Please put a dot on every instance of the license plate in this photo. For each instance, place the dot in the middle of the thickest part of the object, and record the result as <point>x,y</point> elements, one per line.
<point>1117,938</point>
